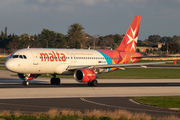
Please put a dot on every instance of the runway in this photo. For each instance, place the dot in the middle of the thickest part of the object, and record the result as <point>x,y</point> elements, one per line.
<point>82,104</point>
<point>110,94</point>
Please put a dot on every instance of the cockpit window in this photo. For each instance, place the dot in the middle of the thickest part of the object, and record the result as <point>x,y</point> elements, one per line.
<point>15,56</point>
<point>24,57</point>
<point>19,56</point>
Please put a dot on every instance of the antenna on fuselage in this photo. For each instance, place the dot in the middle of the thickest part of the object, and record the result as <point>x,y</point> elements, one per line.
<point>89,48</point>
<point>28,47</point>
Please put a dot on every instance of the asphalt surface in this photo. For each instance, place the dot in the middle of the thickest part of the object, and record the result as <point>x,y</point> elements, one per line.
<point>79,85</point>
<point>12,85</point>
<point>82,104</point>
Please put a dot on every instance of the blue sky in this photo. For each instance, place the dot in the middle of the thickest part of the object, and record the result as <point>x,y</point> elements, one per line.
<point>101,17</point>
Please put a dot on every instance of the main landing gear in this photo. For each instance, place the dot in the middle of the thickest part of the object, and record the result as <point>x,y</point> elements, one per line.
<point>93,83</point>
<point>55,81</point>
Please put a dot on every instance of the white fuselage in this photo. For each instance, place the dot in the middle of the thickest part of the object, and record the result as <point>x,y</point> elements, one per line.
<point>52,61</point>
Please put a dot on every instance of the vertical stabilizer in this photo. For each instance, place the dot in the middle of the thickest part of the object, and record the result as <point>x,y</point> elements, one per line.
<point>129,41</point>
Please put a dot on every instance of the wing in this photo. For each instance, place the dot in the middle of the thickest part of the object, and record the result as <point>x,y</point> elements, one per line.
<point>116,65</point>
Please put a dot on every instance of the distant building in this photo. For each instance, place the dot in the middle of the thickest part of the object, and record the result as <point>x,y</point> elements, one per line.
<point>143,49</point>
<point>160,45</point>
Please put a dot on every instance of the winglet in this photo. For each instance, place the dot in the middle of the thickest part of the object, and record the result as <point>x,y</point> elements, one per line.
<point>175,62</point>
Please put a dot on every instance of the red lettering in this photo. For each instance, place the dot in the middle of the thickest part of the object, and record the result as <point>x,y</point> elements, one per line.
<point>45,55</point>
<point>51,57</point>
<point>63,57</point>
<point>58,56</point>
<point>54,56</point>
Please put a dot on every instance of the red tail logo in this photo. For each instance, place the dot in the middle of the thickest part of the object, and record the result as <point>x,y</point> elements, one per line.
<point>129,41</point>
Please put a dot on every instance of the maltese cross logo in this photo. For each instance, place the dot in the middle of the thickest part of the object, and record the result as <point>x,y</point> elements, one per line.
<point>132,39</point>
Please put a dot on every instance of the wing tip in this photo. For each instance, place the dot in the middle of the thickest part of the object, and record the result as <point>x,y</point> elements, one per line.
<point>175,61</point>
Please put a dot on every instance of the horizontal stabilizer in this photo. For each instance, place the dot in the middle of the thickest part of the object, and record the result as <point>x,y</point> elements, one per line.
<point>152,56</point>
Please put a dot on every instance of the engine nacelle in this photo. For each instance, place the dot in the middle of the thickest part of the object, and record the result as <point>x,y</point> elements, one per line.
<point>27,76</point>
<point>84,75</point>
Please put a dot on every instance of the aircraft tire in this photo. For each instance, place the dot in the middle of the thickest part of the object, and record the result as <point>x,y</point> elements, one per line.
<point>57,81</point>
<point>89,83</point>
<point>53,81</point>
<point>94,83</point>
<point>27,83</point>
<point>24,82</point>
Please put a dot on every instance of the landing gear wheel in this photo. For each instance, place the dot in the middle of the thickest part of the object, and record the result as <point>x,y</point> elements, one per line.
<point>53,81</point>
<point>89,83</point>
<point>57,81</point>
<point>25,83</point>
<point>94,83</point>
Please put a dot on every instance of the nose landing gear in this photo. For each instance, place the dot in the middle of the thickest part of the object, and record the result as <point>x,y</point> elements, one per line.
<point>25,83</point>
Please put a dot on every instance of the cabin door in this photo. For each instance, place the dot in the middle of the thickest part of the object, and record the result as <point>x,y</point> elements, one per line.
<point>35,57</point>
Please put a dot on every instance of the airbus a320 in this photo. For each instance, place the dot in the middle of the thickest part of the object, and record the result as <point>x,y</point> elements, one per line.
<point>84,64</point>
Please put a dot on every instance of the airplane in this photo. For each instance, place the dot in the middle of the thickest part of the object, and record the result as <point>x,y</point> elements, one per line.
<point>84,64</point>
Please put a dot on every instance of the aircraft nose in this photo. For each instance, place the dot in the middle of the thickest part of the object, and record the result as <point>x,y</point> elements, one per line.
<point>9,65</point>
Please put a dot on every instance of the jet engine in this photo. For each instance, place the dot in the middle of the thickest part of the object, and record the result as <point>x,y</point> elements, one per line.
<point>27,76</point>
<point>84,75</point>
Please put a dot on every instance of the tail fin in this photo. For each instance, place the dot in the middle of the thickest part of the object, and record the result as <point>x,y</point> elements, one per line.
<point>129,41</point>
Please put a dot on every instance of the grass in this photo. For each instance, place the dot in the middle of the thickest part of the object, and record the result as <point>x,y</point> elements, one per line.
<point>66,114</point>
<point>2,68</point>
<point>58,76</point>
<point>166,102</point>
<point>2,59</point>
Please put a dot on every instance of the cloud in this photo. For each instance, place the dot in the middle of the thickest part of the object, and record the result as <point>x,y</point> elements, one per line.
<point>69,6</point>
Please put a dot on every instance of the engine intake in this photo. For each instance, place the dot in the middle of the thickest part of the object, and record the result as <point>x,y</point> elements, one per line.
<point>84,75</point>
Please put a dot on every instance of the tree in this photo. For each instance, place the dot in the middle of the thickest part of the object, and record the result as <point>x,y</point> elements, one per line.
<point>118,38</point>
<point>114,46</point>
<point>176,39</point>
<point>137,50</point>
<point>75,33</point>
<point>147,50</point>
<point>5,31</point>
<point>171,47</point>
<point>48,37</point>
<point>85,41</point>
<point>166,39</point>
<point>154,38</point>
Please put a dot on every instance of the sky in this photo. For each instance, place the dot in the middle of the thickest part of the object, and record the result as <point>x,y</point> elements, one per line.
<point>100,17</point>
